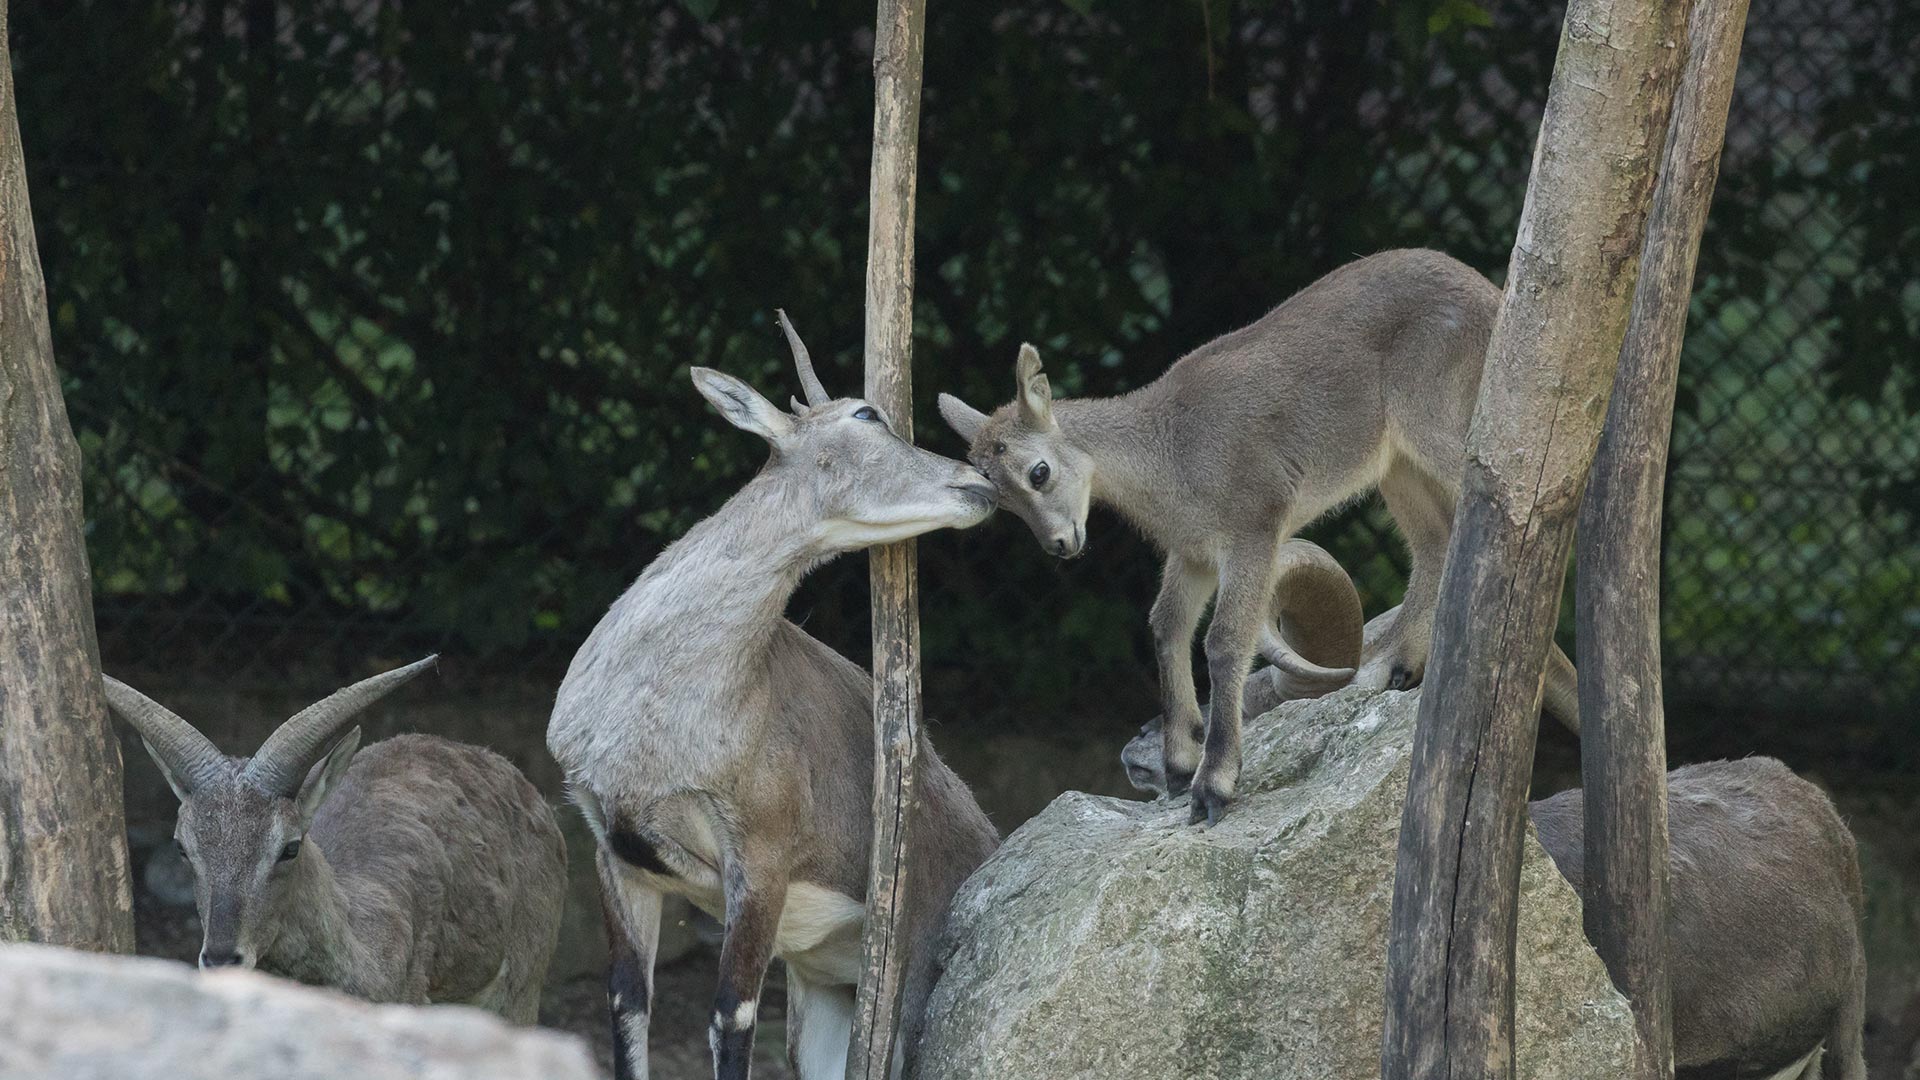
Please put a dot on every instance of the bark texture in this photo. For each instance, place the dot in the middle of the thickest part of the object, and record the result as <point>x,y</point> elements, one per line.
<point>1543,398</point>
<point>63,831</point>
<point>899,32</point>
<point>1623,753</point>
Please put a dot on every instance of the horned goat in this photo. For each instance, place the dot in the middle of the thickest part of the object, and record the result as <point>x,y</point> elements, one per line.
<point>720,753</point>
<point>417,870</point>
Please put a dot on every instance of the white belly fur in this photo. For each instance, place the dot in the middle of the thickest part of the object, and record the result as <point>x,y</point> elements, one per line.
<point>819,933</point>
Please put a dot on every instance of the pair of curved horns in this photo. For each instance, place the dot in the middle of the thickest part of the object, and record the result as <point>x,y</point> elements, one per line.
<point>809,382</point>
<point>280,766</point>
<point>1321,622</point>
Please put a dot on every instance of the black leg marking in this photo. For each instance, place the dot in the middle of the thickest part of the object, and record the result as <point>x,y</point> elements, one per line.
<point>637,851</point>
<point>628,999</point>
<point>731,1035</point>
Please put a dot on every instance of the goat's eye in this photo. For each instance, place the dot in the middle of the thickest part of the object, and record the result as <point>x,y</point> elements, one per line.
<point>291,851</point>
<point>1038,474</point>
<point>866,412</point>
<point>999,448</point>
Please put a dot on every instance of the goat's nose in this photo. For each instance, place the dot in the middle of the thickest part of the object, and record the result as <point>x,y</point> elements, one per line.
<point>1060,546</point>
<point>219,959</point>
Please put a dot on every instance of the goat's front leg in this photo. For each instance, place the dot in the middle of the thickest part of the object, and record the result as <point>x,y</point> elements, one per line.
<point>756,894</point>
<point>632,909</point>
<point>1239,617</point>
<point>1184,589</point>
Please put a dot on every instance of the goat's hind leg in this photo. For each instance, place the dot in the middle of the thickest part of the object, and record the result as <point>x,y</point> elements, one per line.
<point>632,909</point>
<point>1422,508</point>
<point>819,1027</point>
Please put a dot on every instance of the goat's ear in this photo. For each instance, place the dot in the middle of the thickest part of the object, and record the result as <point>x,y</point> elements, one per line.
<point>742,405</point>
<point>1035,393</point>
<point>965,420</point>
<point>179,789</point>
<point>326,776</point>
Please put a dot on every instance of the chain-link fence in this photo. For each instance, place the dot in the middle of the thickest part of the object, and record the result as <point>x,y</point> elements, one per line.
<point>376,315</point>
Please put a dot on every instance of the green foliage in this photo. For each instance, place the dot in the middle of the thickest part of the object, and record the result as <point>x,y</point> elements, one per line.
<point>382,312</point>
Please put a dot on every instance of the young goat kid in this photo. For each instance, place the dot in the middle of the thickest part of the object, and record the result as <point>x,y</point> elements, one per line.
<point>417,870</point>
<point>720,753</point>
<point>1365,378</point>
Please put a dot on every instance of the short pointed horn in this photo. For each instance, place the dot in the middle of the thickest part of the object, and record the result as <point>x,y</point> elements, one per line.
<point>190,756</point>
<point>282,763</point>
<point>1321,621</point>
<point>809,382</point>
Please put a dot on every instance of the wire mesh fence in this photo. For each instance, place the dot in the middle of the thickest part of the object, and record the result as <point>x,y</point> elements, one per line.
<point>376,315</point>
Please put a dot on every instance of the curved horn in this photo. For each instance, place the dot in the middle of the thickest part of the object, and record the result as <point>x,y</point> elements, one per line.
<point>282,763</point>
<point>809,382</point>
<point>1322,625</point>
<point>190,757</point>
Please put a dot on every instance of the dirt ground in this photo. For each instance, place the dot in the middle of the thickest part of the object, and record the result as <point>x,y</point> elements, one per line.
<point>683,991</point>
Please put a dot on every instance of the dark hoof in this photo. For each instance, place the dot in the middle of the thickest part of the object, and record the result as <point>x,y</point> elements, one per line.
<point>1208,806</point>
<point>1402,678</point>
<point>1178,782</point>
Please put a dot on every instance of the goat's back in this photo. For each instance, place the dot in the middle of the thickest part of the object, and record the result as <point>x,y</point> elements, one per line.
<point>1765,903</point>
<point>1383,353</point>
<point>456,838</point>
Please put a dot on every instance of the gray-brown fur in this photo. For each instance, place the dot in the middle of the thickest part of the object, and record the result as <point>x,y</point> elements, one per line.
<point>417,870</point>
<point>722,754</point>
<point>1366,378</point>
<point>1763,918</point>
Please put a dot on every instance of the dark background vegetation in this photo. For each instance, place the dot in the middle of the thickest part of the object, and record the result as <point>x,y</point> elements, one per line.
<point>375,317</point>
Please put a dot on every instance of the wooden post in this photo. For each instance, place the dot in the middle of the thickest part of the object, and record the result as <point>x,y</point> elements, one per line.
<point>897,52</point>
<point>63,829</point>
<point>1623,751</point>
<point>1543,396</point>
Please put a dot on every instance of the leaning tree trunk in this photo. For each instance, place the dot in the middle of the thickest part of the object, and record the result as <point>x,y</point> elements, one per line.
<point>63,830</point>
<point>1543,396</point>
<point>897,51</point>
<point>1623,749</point>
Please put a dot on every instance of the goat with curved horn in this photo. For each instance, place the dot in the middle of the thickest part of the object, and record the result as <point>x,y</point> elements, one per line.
<point>809,382</point>
<point>283,760</point>
<point>338,874</point>
<point>190,759</point>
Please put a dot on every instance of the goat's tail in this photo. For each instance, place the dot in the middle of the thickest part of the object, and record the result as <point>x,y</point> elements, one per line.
<point>1846,1057</point>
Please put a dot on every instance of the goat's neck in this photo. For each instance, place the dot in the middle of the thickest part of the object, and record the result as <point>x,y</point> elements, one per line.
<point>734,572</point>
<point>1131,472</point>
<point>317,943</point>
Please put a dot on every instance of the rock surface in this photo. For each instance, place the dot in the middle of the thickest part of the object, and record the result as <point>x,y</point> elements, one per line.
<point>1108,939</point>
<point>82,1016</point>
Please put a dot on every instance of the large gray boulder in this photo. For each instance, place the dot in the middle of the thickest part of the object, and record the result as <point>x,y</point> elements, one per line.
<point>82,1016</point>
<point>1108,939</point>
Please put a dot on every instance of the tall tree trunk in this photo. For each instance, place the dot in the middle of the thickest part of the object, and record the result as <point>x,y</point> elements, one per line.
<point>1543,396</point>
<point>1623,749</point>
<point>63,829</point>
<point>899,32</point>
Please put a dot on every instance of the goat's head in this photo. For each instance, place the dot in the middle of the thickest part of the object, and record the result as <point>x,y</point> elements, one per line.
<point>842,460</point>
<point>1316,653</point>
<point>243,821</point>
<point>1037,473</point>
